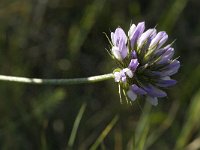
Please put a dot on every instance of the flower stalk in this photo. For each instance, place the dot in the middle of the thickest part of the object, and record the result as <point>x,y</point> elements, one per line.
<point>91,79</point>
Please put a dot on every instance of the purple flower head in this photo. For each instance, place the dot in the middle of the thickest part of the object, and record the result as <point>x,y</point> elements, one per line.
<point>146,64</point>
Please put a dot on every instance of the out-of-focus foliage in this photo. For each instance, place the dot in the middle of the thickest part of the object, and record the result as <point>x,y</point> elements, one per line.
<point>64,38</point>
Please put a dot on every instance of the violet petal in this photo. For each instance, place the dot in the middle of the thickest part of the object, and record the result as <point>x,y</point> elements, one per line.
<point>123,49</point>
<point>144,37</point>
<point>166,56</point>
<point>138,90</point>
<point>153,91</point>
<point>133,54</point>
<point>118,35</point>
<point>171,69</point>
<point>166,82</point>
<point>135,32</point>
<point>133,64</point>
<point>158,40</point>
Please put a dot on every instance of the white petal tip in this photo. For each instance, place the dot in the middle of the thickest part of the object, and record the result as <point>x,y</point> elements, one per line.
<point>152,100</point>
<point>132,95</point>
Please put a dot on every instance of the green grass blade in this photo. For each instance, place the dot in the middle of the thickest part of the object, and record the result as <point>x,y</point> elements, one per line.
<point>131,143</point>
<point>76,125</point>
<point>159,131</point>
<point>172,14</point>
<point>79,33</point>
<point>104,133</point>
<point>142,128</point>
<point>192,123</point>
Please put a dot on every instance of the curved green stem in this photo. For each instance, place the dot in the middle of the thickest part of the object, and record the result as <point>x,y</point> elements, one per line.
<point>91,79</point>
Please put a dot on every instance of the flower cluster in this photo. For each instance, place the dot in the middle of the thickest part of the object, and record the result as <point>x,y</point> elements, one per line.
<point>145,63</point>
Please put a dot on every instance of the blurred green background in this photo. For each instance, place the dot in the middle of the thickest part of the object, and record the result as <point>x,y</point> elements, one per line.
<point>64,39</point>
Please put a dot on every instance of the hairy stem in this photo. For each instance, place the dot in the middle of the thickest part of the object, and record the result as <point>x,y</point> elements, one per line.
<point>91,79</point>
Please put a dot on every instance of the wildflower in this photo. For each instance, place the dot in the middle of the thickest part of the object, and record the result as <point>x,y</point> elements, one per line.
<point>144,63</point>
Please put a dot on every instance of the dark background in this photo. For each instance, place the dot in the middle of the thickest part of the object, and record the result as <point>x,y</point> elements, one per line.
<point>64,39</point>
